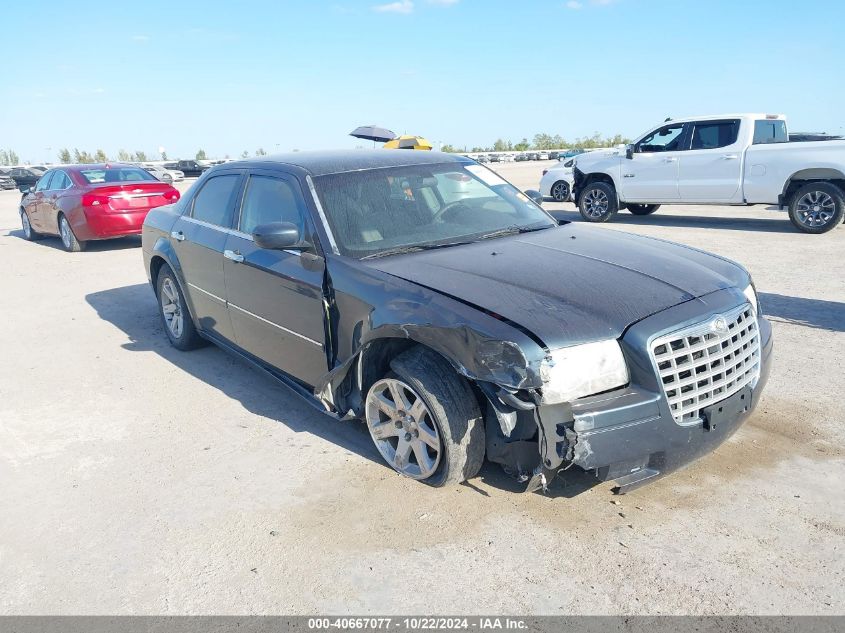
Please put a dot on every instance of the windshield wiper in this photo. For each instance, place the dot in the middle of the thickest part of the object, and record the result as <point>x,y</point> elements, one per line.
<point>413,248</point>
<point>511,230</point>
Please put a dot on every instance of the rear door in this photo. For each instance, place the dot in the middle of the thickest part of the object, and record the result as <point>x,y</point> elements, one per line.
<point>711,170</point>
<point>651,175</point>
<point>199,238</point>
<point>276,297</point>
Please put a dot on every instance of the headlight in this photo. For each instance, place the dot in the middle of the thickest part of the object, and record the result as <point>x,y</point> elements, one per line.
<point>751,295</point>
<point>582,370</point>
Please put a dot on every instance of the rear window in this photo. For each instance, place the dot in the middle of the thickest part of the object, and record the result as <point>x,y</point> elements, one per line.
<point>115,174</point>
<point>770,131</point>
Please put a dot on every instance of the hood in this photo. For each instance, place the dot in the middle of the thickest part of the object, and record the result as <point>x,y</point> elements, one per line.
<point>571,284</point>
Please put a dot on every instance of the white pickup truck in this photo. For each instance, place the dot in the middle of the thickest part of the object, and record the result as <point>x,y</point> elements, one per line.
<point>736,159</point>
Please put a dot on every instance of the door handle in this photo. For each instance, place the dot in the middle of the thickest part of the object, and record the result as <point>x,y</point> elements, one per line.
<point>234,256</point>
<point>670,160</point>
<point>730,157</point>
<point>178,236</point>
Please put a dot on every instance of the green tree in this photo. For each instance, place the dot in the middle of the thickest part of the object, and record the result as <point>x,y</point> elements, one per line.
<point>522,145</point>
<point>140,156</point>
<point>4,157</point>
<point>123,156</point>
<point>502,145</point>
<point>164,156</point>
<point>245,154</point>
<point>14,159</point>
<point>448,148</point>
<point>64,155</point>
<point>260,152</point>
<point>100,156</point>
<point>201,154</point>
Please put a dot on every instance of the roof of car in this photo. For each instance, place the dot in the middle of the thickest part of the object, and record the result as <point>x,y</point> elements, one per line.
<point>336,161</point>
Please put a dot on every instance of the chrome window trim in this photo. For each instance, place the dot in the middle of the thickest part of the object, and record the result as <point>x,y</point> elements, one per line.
<point>297,334</point>
<point>235,232</point>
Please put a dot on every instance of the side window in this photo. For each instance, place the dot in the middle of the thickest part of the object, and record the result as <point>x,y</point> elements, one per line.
<point>714,134</point>
<point>44,181</point>
<point>269,199</point>
<point>666,139</point>
<point>60,181</point>
<point>216,199</point>
<point>770,131</point>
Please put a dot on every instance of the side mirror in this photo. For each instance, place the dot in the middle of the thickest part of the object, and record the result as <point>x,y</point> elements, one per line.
<point>26,190</point>
<point>629,152</point>
<point>279,236</point>
<point>535,195</point>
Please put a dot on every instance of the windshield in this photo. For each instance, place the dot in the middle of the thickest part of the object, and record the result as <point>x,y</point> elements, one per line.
<point>115,174</point>
<point>382,210</point>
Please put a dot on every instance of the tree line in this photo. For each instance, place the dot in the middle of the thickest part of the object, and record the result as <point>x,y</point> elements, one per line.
<point>546,142</point>
<point>66,156</point>
<point>9,157</point>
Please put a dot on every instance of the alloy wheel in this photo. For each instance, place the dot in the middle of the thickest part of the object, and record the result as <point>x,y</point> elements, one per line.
<point>596,203</point>
<point>403,429</point>
<point>171,308</point>
<point>27,227</point>
<point>64,229</point>
<point>560,191</point>
<point>815,209</point>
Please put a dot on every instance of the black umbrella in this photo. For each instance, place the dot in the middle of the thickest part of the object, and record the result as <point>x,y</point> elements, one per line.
<point>373,133</point>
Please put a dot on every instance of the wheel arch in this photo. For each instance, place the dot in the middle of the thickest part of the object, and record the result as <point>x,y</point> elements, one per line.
<point>801,177</point>
<point>583,180</point>
<point>163,254</point>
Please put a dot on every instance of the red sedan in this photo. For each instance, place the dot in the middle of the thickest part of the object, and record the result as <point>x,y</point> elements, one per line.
<point>80,203</point>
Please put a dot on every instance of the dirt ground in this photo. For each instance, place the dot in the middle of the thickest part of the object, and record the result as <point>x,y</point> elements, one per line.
<point>138,479</point>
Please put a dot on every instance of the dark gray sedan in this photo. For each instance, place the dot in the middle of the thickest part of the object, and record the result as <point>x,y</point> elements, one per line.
<point>423,294</point>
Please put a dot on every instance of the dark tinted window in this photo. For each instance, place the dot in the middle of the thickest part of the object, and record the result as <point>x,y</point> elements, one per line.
<point>216,199</point>
<point>714,134</point>
<point>44,181</point>
<point>269,200</point>
<point>666,139</point>
<point>770,131</point>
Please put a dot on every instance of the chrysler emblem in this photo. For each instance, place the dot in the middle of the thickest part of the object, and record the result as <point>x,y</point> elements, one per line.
<point>719,325</point>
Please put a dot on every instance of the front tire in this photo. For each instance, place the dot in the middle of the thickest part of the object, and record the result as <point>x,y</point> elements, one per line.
<point>560,191</point>
<point>817,207</point>
<point>425,421</point>
<point>642,209</point>
<point>597,202</point>
<point>175,317</point>
<point>29,233</point>
<point>68,237</point>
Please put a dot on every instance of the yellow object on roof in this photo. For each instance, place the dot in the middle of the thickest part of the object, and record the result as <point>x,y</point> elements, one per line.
<point>408,142</point>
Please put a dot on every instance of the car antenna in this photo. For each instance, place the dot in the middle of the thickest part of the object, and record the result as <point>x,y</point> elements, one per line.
<point>668,118</point>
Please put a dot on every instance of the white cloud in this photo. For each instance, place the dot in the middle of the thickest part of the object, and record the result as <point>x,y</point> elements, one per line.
<point>573,4</point>
<point>400,6</point>
<point>444,3</point>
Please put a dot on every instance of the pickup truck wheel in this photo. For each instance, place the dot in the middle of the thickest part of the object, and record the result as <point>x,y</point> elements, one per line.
<point>598,202</point>
<point>817,207</point>
<point>425,421</point>
<point>560,191</point>
<point>643,209</point>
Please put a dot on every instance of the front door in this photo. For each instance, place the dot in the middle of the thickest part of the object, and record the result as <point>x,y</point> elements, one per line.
<point>651,175</point>
<point>711,170</point>
<point>200,238</point>
<point>276,297</point>
<point>35,208</point>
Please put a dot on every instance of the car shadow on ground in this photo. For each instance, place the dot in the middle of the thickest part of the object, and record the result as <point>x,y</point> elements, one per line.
<point>813,313</point>
<point>779,224</point>
<point>94,246</point>
<point>133,310</point>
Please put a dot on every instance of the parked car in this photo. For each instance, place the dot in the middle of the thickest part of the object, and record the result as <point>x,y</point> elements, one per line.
<point>188,167</point>
<point>23,177</point>
<point>542,156</point>
<point>6,181</point>
<point>483,158</point>
<point>557,181</point>
<point>459,329</point>
<point>80,203</point>
<point>164,175</point>
<point>727,159</point>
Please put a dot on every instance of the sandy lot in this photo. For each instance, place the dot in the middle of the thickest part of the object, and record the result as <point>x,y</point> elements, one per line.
<point>138,479</point>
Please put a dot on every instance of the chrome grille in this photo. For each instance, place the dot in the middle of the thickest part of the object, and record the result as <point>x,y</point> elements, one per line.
<point>708,362</point>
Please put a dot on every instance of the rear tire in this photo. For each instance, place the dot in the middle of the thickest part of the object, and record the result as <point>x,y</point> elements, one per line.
<point>642,209</point>
<point>560,191</point>
<point>817,207</point>
<point>597,202</point>
<point>29,233</point>
<point>177,321</point>
<point>68,237</point>
<point>446,405</point>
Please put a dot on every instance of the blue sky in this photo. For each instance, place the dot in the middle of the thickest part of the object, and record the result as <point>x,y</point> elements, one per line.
<point>231,76</point>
